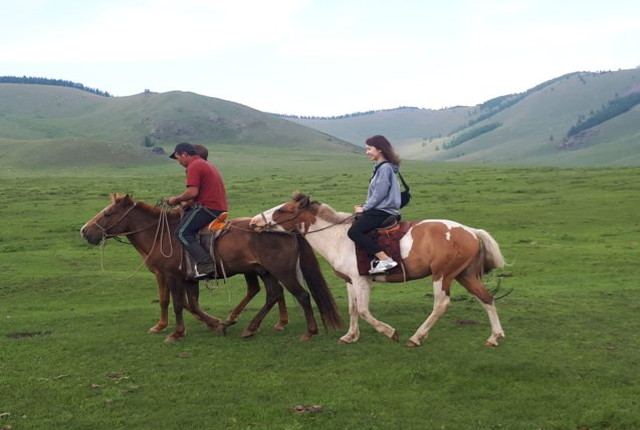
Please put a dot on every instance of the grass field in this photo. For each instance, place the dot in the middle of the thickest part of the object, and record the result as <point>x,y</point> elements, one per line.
<point>75,352</point>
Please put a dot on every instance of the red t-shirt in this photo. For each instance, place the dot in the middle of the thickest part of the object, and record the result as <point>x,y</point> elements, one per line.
<point>211,191</point>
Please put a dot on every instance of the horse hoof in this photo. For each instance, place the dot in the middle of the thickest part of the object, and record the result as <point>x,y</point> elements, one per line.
<point>490,343</point>
<point>156,330</point>
<point>248,333</point>
<point>305,337</point>
<point>394,337</point>
<point>220,328</point>
<point>172,338</point>
<point>411,344</point>
<point>279,326</point>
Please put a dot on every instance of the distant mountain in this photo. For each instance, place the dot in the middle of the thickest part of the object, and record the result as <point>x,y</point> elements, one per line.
<point>54,122</point>
<point>578,119</point>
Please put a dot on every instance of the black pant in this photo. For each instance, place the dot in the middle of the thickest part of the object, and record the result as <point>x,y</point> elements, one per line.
<point>364,223</point>
<point>193,220</point>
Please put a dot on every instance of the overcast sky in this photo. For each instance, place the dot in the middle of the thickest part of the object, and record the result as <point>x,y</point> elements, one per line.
<point>318,57</point>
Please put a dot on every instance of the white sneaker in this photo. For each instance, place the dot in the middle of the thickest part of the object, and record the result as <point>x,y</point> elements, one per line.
<point>382,266</point>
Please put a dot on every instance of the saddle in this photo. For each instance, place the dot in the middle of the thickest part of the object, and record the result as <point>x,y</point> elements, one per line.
<point>390,224</point>
<point>219,223</point>
<point>388,237</point>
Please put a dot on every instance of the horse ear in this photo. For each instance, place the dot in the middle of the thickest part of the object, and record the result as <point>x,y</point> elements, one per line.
<point>305,201</point>
<point>127,198</point>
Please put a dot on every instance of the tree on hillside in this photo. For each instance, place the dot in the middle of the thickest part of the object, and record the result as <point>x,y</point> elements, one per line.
<point>54,82</point>
<point>615,107</point>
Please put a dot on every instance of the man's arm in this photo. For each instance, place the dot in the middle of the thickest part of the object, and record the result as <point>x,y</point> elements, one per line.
<point>188,194</point>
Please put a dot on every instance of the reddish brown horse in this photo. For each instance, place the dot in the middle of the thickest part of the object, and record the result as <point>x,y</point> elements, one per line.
<point>275,258</point>
<point>445,249</point>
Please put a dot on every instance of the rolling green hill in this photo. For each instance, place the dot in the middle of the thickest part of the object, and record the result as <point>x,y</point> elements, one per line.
<point>44,125</point>
<point>527,128</point>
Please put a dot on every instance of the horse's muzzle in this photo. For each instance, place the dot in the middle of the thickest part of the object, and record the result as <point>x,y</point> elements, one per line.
<point>93,239</point>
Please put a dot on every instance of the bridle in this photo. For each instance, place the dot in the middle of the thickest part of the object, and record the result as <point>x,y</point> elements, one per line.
<point>272,223</point>
<point>105,230</point>
<point>163,224</point>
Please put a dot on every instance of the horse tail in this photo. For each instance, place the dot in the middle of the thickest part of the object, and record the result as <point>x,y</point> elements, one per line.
<point>318,285</point>
<point>493,258</point>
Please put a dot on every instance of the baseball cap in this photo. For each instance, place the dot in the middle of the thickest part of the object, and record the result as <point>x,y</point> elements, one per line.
<point>183,147</point>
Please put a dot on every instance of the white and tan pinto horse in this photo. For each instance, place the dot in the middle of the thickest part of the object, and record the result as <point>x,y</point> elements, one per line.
<point>445,249</point>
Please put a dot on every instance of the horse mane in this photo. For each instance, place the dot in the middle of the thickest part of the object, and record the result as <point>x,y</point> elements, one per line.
<point>146,207</point>
<point>322,210</point>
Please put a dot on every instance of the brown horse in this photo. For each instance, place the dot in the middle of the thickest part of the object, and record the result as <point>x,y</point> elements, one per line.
<point>275,258</point>
<point>442,248</point>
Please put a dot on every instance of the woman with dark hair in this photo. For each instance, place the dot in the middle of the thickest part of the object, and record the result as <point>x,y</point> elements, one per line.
<point>383,201</point>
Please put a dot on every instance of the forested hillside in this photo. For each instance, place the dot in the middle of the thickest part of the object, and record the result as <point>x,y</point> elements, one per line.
<point>578,119</point>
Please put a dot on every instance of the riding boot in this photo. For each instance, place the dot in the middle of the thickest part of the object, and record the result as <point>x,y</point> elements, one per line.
<point>205,268</point>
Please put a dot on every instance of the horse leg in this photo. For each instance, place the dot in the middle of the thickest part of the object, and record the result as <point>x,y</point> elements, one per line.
<point>363,292</point>
<point>192,291</point>
<point>163,296</point>
<point>476,287</point>
<point>441,302</point>
<point>177,294</point>
<point>191,301</point>
<point>283,315</point>
<point>353,334</point>
<point>274,293</point>
<point>253,287</point>
<point>292,284</point>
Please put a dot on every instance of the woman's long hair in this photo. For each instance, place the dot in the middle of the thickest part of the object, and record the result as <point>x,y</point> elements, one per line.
<point>382,144</point>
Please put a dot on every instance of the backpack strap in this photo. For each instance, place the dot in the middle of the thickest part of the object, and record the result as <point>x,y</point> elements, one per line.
<point>404,183</point>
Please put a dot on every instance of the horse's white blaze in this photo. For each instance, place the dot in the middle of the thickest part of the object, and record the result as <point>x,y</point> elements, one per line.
<point>92,220</point>
<point>265,219</point>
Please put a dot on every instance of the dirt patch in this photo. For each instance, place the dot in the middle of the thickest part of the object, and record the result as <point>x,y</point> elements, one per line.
<point>28,334</point>
<point>463,321</point>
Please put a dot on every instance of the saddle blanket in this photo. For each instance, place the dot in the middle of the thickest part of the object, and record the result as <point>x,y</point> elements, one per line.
<point>389,242</point>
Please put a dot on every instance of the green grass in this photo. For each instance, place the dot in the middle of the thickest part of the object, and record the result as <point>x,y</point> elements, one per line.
<point>74,352</point>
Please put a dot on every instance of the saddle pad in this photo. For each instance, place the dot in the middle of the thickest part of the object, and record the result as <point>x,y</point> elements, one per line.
<point>389,242</point>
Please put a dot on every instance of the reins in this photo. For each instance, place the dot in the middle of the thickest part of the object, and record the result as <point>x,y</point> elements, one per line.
<point>272,223</point>
<point>161,227</point>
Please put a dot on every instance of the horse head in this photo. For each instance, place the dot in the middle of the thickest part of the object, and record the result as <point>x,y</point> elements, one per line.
<point>285,217</point>
<point>109,222</point>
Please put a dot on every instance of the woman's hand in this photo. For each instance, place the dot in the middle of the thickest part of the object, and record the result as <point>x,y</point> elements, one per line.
<point>358,209</point>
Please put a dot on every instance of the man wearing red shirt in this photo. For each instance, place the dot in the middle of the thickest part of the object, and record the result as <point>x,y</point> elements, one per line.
<point>206,189</point>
